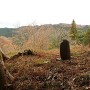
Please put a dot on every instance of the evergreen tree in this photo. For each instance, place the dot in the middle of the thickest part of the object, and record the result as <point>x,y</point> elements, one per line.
<point>73,31</point>
<point>87,37</point>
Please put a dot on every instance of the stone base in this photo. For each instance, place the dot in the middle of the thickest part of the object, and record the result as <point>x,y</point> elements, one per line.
<point>58,59</point>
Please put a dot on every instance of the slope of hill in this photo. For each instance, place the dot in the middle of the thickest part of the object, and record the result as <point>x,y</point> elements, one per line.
<point>44,72</point>
<point>6,45</point>
<point>45,36</point>
<point>7,32</point>
<point>39,37</point>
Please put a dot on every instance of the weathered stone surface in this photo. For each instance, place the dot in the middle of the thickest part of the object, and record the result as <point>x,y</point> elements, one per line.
<point>65,50</point>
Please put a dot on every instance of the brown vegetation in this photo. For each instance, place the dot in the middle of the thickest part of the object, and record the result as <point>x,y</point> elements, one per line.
<point>6,45</point>
<point>44,72</point>
<point>5,77</point>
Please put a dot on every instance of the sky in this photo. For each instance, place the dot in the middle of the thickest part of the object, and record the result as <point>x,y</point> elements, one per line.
<point>15,13</point>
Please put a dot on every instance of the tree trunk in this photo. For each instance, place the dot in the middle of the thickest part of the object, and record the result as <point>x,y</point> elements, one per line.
<point>5,76</point>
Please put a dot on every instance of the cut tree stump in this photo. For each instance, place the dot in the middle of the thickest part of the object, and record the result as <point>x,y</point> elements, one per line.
<point>5,76</point>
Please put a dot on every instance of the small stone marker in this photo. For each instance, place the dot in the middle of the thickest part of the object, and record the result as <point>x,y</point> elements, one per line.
<point>65,50</point>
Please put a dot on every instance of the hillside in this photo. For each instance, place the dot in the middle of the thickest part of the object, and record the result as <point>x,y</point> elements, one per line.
<point>6,45</point>
<point>52,35</point>
<point>38,37</point>
<point>44,72</point>
<point>7,32</point>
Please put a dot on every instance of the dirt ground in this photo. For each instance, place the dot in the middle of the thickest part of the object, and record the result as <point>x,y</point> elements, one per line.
<point>44,71</point>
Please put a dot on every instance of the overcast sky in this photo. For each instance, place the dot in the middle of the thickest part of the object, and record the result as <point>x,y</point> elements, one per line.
<point>15,13</point>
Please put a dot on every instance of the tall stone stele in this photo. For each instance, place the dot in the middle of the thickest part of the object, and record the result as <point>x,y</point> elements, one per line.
<point>65,50</point>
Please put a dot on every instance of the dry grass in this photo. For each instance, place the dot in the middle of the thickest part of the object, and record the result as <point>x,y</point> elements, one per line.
<point>44,72</point>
